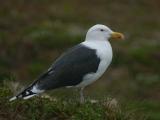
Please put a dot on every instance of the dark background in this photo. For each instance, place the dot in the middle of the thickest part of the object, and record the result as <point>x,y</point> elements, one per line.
<point>33,33</point>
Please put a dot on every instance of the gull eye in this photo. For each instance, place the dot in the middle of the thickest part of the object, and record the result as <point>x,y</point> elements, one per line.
<point>101,30</point>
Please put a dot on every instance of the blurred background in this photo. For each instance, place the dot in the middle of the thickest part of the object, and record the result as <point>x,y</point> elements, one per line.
<point>33,33</point>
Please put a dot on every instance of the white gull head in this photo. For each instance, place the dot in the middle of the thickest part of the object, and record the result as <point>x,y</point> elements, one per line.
<point>101,32</point>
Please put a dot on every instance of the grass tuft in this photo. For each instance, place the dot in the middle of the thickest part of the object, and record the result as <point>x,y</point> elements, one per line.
<point>39,108</point>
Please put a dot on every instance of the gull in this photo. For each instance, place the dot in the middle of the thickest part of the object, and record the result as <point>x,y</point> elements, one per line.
<point>79,66</point>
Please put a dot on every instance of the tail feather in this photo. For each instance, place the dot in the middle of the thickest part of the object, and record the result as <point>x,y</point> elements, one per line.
<point>27,93</point>
<point>13,98</point>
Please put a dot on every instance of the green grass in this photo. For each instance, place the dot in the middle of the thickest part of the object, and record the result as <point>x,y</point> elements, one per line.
<point>62,109</point>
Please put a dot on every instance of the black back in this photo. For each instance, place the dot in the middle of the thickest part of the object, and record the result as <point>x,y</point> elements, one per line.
<point>70,68</point>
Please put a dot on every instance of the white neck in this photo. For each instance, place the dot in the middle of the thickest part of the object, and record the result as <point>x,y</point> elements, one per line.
<point>97,44</point>
<point>103,47</point>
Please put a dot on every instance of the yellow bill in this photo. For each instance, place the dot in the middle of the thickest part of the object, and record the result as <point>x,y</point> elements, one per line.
<point>117,35</point>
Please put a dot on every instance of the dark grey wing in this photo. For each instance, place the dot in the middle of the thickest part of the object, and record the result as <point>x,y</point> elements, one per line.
<point>70,68</point>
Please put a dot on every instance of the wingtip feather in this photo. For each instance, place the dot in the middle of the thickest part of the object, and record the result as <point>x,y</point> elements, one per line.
<point>27,97</point>
<point>13,98</point>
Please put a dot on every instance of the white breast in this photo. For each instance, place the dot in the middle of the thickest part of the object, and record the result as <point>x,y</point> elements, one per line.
<point>104,52</point>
